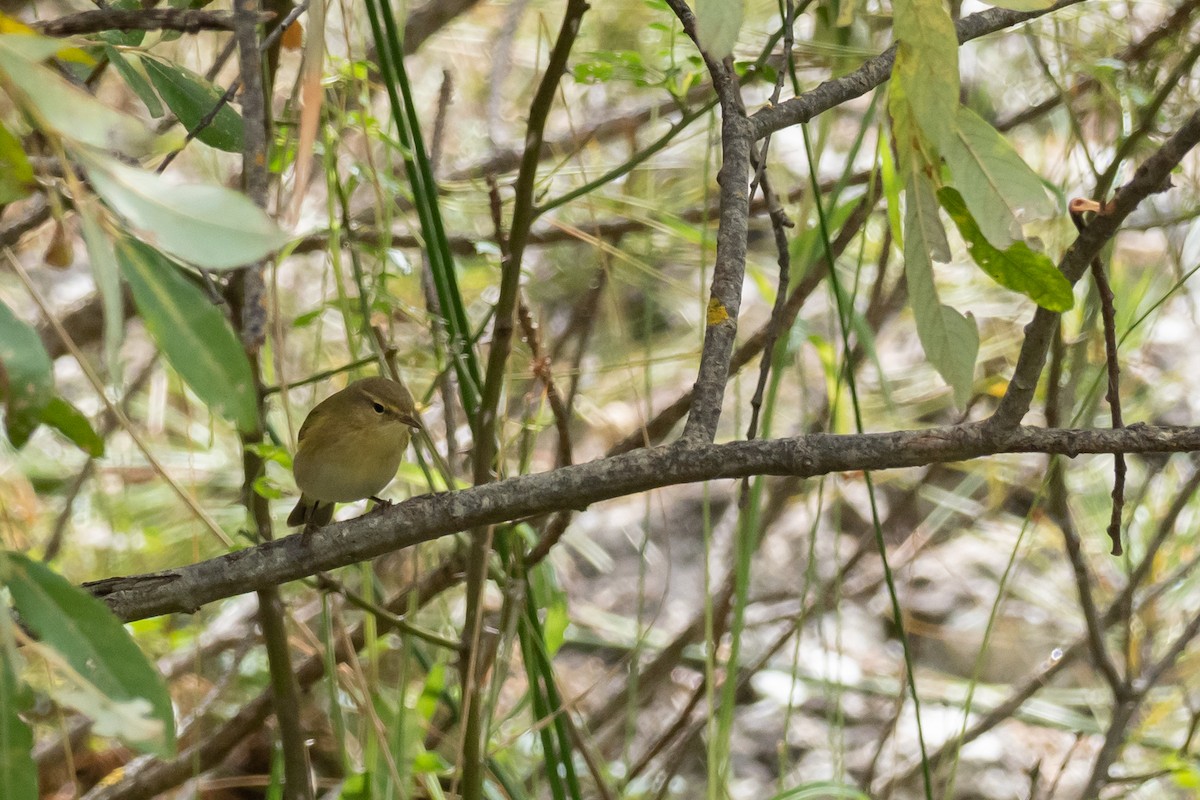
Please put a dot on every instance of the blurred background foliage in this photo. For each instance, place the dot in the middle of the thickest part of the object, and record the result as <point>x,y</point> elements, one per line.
<point>616,277</point>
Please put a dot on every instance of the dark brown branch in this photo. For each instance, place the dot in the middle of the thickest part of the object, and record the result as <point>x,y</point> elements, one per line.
<point>431,516</point>
<point>1151,177</point>
<point>151,19</point>
<point>875,71</point>
<point>725,295</point>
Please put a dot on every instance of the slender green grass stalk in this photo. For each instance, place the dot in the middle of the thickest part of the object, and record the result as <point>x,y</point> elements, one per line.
<point>845,312</point>
<point>424,188</point>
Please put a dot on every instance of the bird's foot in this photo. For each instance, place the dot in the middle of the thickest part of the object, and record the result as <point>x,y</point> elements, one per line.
<point>380,504</point>
<point>310,528</point>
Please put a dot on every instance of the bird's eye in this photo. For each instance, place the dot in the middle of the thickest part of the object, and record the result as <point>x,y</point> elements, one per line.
<point>378,407</point>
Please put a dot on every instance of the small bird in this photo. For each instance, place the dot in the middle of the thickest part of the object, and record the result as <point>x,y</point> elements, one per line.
<point>349,448</point>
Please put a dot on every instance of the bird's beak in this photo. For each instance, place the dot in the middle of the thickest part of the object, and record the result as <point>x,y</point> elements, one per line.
<point>412,421</point>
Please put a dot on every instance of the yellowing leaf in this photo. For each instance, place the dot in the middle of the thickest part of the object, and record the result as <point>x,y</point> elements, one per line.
<point>926,68</point>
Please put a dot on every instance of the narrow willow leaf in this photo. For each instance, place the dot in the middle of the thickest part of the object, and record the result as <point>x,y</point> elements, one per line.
<point>998,186</point>
<point>135,80</point>
<point>191,332</point>
<point>717,26</point>
<point>191,98</point>
<point>891,191</point>
<point>926,68</point>
<point>202,224</point>
<point>921,219</point>
<point>26,377</point>
<point>108,282</point>
<point>16,173</point>
<point>93,642</point>
<point>18,773</point>
<point>73,424</point>
<point>70,111</point>
<point>949,339</point>
<point>1017,267</point>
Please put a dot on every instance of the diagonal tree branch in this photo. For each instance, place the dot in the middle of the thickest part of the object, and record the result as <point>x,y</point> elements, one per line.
<point>725,296</point>
<point>431,516</point>
<point>186,20</point>
<point>875,71</point>
<point>1151,177</point>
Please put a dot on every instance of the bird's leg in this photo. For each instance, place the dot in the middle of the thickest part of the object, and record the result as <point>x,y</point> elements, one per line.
<point>310,527</point>
<point>380,504</point>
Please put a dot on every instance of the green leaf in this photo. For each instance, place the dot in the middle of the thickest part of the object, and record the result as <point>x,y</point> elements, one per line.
<point>191,98</point>
<point>193,334</point>
<point>1017,267</point>
<point>135,80</point>
<point>949,339</point>
<point>891,191</point>
<point>202,224</point>
<point>95,644</point>
<point>68,110</point>
<point>921,219</point>
<point>18,773</point>
<point>108,283</point>
<point>717,26</point>
<point>16,173</point>
<point>73,424</point>
<point>26,377</point>
<point>998,186</point>
<point>923,96</point>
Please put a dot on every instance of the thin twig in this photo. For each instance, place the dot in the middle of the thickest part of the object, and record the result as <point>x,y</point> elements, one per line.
<point>186,20</point>
<point>1109,317</point>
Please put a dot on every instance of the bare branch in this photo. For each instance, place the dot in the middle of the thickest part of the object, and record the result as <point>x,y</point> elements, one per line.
<point>431,516</point>
<point>150,19</point>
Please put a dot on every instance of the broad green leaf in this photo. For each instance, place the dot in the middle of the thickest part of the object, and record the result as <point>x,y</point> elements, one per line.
<point>68,110</point>
<point>191,98</point>
<point>949,339</point>
<point>18,773</point>
<point>998,186</point>
<point>717,26</point>
<point>926,70</point>
<point>16,173</point>
<point>1017,267</point>
<point>921,219</point>
<point>108,283</point>
<point>193,334</point>
<point>87,636</point>
<point>202,224</point>
<point>71,423</point>
<point>891,191</point>
<point>135,80</point>
<point>26,377</point>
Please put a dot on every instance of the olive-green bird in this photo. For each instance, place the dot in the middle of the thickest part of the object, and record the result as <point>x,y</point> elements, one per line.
<point>350,446</point>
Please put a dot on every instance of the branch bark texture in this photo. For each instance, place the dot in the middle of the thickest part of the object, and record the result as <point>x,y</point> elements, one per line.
<point>431,516</point>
